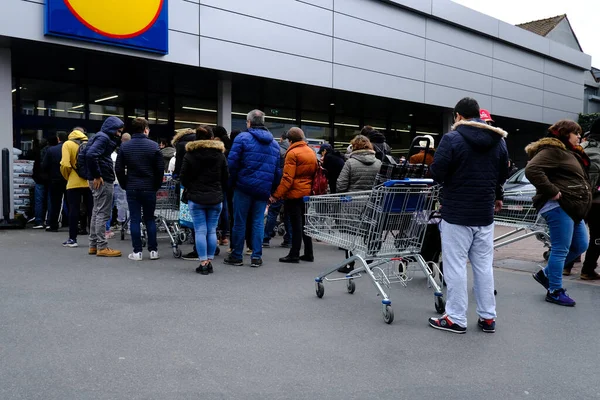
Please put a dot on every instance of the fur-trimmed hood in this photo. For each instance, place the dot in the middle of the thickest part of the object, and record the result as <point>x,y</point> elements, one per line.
<point>205,144</point>
<point>481,125</point>
<point>479,135</point>
<point>180,133</point>
<point>533,148</point>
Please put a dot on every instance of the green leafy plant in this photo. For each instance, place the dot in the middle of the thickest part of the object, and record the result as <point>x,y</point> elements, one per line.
<point>586,120</point>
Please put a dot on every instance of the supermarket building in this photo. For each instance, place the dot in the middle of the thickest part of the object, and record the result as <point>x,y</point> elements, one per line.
<point>329,66</point>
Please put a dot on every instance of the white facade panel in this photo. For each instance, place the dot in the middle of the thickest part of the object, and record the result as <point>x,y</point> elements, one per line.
<point>184,48</point>
<point>184,17</point>
<point>359,31</point>
<point>456,37</point>
<point>461,15</point>
<point>562,71</point>
<point>551,116</point>
<point>263,34</point>
<point>514,91</point>
<point>448,97</point>
<point>516,109</point>
<point>458,79</point>
<point>562,103</point>
<point>514,55</point>
<point>360,81</point>
<point>328,4</point>
<point>513,33</point>
<point>356,55</point>
<point>421,5</point>
<point>516,74</point>
<point>226,56</point>
<point>443,54</point>
<point>560,86</point>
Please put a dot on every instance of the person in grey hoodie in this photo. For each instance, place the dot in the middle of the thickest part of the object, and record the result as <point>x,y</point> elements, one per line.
<point>362,167</point>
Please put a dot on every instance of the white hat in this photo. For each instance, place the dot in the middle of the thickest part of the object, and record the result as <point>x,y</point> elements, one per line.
<point>423,143</point>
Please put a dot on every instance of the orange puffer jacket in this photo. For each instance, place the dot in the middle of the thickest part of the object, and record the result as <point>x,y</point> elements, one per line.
<point>298,172</point>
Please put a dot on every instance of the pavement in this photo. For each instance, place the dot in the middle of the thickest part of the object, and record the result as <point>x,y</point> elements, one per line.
<point>74,326</point>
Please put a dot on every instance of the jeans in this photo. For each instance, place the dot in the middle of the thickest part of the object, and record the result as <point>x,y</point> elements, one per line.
<point>57,191</point>
<point>274,211</point>
<point>295,210</point>
<point>140,200</point>
<point>42,199</point>
<point>74,198</point>
<point>119,200</point>
<point>475,243</point>
<point>568,240</point>
<point>206,219</point>
<point>251,210</point>
<point>103,197</point>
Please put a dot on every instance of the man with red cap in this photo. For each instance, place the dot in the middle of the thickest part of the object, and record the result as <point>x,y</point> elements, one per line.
<point>485,116</point>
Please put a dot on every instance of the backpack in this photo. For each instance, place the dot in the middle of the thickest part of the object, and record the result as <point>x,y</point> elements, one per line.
<point>81,167</point>
<point>320,184</point>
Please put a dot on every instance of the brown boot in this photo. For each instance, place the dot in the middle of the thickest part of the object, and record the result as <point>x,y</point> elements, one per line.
<point>92,251</point>
<point>108,253</point>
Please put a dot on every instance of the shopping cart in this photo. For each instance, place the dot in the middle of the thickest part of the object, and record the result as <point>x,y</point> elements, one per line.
<point>167,214</point>
<point>519,213</point>
<point>382,229</point>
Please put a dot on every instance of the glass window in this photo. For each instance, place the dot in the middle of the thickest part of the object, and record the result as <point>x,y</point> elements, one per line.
<point>51,99</point>
<point>158,109</point>
<point>105,103</point>
<point>190,112</point>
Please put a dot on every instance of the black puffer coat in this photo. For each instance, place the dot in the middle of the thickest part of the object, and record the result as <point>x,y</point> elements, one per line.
<point>471,163</point>
<point>204,171</point>
<point>180,140</point>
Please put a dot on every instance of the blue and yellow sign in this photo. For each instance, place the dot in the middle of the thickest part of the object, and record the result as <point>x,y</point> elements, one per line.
<point>136,24</point>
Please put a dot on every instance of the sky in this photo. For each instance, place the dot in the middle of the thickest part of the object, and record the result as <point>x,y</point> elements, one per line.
<point>584,16</point>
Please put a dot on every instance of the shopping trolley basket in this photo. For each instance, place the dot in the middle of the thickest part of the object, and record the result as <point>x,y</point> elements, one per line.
<point>167,213</point>
<point>379,228</point>
<point>519,213</point>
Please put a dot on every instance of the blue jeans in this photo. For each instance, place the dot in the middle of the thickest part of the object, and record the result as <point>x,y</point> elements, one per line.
<point>568,240</point>
<point>274,211</point>
<point>42,199</point>
<point>246,207</point>
<point>139,200</point>
<point>206,219</point>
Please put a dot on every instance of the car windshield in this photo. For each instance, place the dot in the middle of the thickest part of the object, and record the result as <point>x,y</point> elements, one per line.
<point>519,177</point>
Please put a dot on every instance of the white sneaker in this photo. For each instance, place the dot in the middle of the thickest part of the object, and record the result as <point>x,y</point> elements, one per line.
<point>154,255</point>
<point>136,256</point>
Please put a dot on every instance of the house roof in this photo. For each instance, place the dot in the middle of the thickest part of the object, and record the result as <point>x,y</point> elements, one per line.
<point>543,27</point>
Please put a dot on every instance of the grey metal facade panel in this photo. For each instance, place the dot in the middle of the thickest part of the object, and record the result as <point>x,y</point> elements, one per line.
<point>515,109</point>
<point>514,91</point>
<point>448,97</point>
<point>560,86</point>
<point>514,34</point>
<point>420,5</point>
<point>360,31</point>
<point>364,57</point>
<point>562,103</point>
<point>328,4</point>
<point>258,33</point>
<point>562,52</point>
<point>551,116</point>
<point>232,57</point>
<point>456,37</point>
<point>457,78</point>
<point>518,74</point>
<point>361,81</point>
<point>461,15</point>
<point>444,54</point>
<point>288,12</point>
<point>184,16</point>
<point>517,56</point>
<point>383,14</point>
<point>563,71</point>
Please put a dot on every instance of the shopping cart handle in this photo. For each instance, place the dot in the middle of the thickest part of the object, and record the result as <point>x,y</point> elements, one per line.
<point>408,181</point>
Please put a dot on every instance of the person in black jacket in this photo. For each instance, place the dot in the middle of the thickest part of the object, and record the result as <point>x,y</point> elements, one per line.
<point>58,184</point>
<point>204,174</point>
<point>140,169</point>
<point>472,165</point>
<point>333,163</point>
<point>180,140</point>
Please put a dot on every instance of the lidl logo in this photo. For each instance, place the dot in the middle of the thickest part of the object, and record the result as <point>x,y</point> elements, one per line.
<point>137,24</point>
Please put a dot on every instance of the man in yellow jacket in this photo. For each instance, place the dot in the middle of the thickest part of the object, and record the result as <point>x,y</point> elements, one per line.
<point>78,189</point>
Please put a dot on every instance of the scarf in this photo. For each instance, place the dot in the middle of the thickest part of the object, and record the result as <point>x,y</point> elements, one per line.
<point>577,151</point>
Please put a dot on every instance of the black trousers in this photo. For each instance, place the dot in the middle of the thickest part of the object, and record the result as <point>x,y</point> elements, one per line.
<point>295,210</point>
<point>57,190</point>
<point>593,251</point>
<point>74,199</point>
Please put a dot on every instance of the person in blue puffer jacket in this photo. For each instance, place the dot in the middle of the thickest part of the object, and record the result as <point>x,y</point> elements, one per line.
<point>255,172</point>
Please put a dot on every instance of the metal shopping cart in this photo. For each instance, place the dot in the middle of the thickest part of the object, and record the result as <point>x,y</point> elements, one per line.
<point>382,229</point>
<point>167,214</point>
<point>519,213</point>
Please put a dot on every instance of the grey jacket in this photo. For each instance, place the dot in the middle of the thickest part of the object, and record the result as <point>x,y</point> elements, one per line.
<point>359,172</point>
<point>592,149</point>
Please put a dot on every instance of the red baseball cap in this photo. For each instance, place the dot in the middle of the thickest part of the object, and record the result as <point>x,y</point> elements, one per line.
<point>485,115</point>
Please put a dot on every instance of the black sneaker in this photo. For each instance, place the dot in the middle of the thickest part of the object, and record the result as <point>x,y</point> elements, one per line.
<point>210,268</point>
<point>487,325</point>
<point>217,251</point>
<point>256,262</point>
<point>307,258</point>
<point>542,279</point>
<point>445,324</point>
<point>191,256</point>
<point>233,261</point>
<point>202,270</point>
<point>560,297</point>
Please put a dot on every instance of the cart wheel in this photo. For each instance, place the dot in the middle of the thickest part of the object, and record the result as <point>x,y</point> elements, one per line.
<point>546,255</point>
<point>177,253</point>
<point>351,286</point>
<point>440,305</point>
<point>388,314</point>
<point>320,290</point>
<point>182,237</point>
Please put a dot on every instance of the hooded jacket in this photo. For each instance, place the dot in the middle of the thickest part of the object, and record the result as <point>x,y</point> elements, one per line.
<point>359,172</point>
<point>381,148</point>
<point>471,163</point>
<point>298,172</point>
<point>592,149</point>
<point>100,148</point>
<point>68,162</point>
<point>51,163</point>
<point>204,171</point>
<point>254,163</point>
<point>140,164</point>
<point>180,140</point>
<point>552,169</point>
<point>333,163</point>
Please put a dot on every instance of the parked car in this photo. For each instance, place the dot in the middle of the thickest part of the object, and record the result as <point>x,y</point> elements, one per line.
<point>518,183</point>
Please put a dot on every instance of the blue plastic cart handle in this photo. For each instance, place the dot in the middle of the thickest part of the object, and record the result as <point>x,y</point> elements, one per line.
<point>408,181</point>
